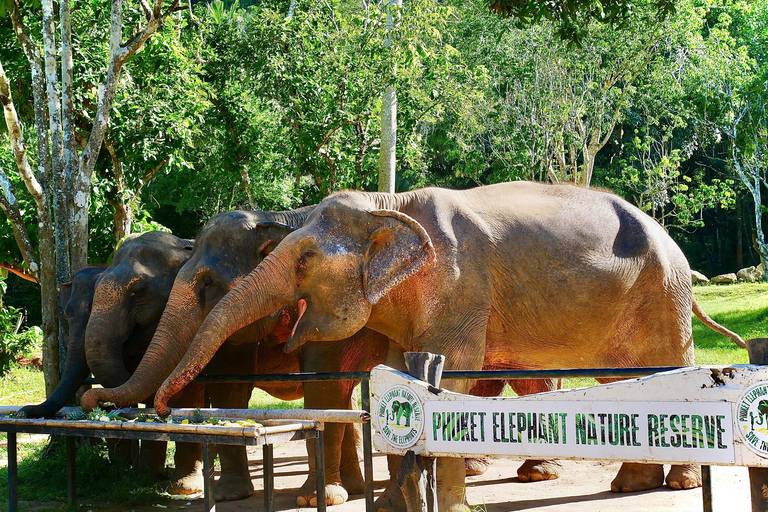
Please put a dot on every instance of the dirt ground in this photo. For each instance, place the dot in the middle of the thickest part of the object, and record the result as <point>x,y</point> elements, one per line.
<point>584,486</point>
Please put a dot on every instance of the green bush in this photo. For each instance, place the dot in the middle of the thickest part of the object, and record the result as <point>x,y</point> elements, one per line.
<point>14,344</point>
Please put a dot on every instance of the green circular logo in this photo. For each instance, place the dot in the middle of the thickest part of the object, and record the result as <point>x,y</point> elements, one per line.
<point>400,416</point>
<point>752,414</point>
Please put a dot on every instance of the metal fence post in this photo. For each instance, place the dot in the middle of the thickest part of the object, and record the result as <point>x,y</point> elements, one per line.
<point>13,473</point>
<point>365,391</point>
<point>758,477</point>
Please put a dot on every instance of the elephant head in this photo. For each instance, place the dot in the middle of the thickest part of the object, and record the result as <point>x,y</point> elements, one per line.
<point>348,256</point>
<point>75,299</point>
<point>227,249</point>
<point>128,301</point>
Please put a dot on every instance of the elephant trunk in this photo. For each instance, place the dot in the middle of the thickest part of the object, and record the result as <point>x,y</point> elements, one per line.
<point>161,357</point>
<point>264,291</point>
<point>75,372</point>
<point>105,355</point>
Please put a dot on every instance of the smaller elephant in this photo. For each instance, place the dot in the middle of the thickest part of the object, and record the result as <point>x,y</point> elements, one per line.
<point>129,295</point>
<point>400,409</point>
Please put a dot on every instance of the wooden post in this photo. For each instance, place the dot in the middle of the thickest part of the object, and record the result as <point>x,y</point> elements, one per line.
<point>416,475</point>
<point>758,477</point>
<point>209,500</point>
<point>268,468</point>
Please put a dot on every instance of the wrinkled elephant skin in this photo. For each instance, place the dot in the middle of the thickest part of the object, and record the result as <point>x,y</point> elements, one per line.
<point>513,275</point>
<point>112,313</point>
<point>229,247</point>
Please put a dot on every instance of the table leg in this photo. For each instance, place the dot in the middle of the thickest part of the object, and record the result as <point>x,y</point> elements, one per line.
<point>320,469</point>
<point>268,468</point>
<point>71,471</point>
<point>13,474</point>
<point>135,457</point>
<point>209,501</point>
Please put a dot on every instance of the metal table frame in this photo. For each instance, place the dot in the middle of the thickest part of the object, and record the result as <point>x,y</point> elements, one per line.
<point>288,431</point>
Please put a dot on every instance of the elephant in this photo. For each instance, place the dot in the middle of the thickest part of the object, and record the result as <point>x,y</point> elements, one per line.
<point>126,298</point>
<point>511,275</point>
<point>75,298</point>
<point>227,249</point>
<point>401,409</point>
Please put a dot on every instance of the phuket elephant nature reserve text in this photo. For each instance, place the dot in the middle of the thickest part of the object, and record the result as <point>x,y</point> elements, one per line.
<point>696,432</point>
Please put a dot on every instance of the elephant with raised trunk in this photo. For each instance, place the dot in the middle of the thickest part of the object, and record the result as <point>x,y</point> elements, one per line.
<point>513,275</point>
<point>112,314</point>
<point>229,247</point>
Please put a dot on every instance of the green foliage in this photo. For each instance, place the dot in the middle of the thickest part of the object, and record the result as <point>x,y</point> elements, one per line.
<point>14,344</point>
<point>41,477</point>
<point>572,16</point>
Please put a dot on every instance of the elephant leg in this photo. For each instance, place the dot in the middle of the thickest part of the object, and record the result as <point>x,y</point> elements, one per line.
<point>634,477</point>
<point>329,395</point>
<point>187,477</point>
<point>684,476</point>
<point>235,480</point>
<point>351,455</point>
<point>152,454</point>
<point>534,470</point>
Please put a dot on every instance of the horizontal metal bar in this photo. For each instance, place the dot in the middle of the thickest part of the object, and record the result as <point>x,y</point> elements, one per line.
<point>286,377</point>
<point>575,373</point>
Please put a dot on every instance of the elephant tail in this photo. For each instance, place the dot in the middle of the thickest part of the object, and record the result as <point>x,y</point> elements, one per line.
<point>706,320</point>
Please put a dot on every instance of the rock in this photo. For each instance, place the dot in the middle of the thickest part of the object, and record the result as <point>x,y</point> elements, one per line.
<point>698,277</point>
<point>724,279</point>
<point>750,275</point>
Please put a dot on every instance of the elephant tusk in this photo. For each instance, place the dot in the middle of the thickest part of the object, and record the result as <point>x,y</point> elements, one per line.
<point>302,310</point>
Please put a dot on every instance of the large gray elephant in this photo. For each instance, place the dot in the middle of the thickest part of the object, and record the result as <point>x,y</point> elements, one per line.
<point>127,298</point>
<point>514,275</point>
<point>227,249</point>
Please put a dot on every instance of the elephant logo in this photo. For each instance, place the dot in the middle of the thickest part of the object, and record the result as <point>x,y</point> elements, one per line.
<point>400,416</point>
<point>752,414</point>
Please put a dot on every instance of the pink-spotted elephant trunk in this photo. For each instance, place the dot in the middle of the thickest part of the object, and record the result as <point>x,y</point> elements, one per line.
<point>263,292</point>
<point>158,361</point>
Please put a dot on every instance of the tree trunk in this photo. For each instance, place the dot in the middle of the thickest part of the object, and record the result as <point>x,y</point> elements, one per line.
<point>388,158</point>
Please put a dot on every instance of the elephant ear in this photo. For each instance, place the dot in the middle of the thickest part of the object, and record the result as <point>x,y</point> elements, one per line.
<point>397,249</point>
<point>272,233</point>
<point>65,293</point>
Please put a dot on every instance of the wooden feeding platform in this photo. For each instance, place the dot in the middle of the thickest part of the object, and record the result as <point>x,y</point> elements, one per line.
<point>275,426</point>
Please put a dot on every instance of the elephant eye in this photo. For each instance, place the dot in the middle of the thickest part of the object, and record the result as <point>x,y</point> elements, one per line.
<point>308,254</point>
<point>207,281</point>
<point>139,291</point>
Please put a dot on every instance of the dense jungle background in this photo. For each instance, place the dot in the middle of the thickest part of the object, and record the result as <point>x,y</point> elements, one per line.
<point>273,105</point>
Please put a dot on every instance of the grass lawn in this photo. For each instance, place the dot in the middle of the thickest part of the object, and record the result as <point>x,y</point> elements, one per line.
<point>742,308</point>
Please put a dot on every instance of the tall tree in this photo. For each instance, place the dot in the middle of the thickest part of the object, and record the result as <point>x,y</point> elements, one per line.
<point>61,183</point>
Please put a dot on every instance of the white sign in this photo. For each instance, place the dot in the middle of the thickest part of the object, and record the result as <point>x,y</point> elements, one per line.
<point>752,410</point>
<point>685,432</point>
<point>400,417</point>
<point>690,415</point>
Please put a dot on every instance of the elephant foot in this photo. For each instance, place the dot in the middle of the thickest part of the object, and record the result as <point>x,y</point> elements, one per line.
<point>187,482</point>
<point>686,476</point>
<point>352,479</point>
<point>476,466</point>
<point>635,477</point>
<point>335,494</point>
<point>231,487</point>
<point>391,500</point>
<point>538,470</point>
